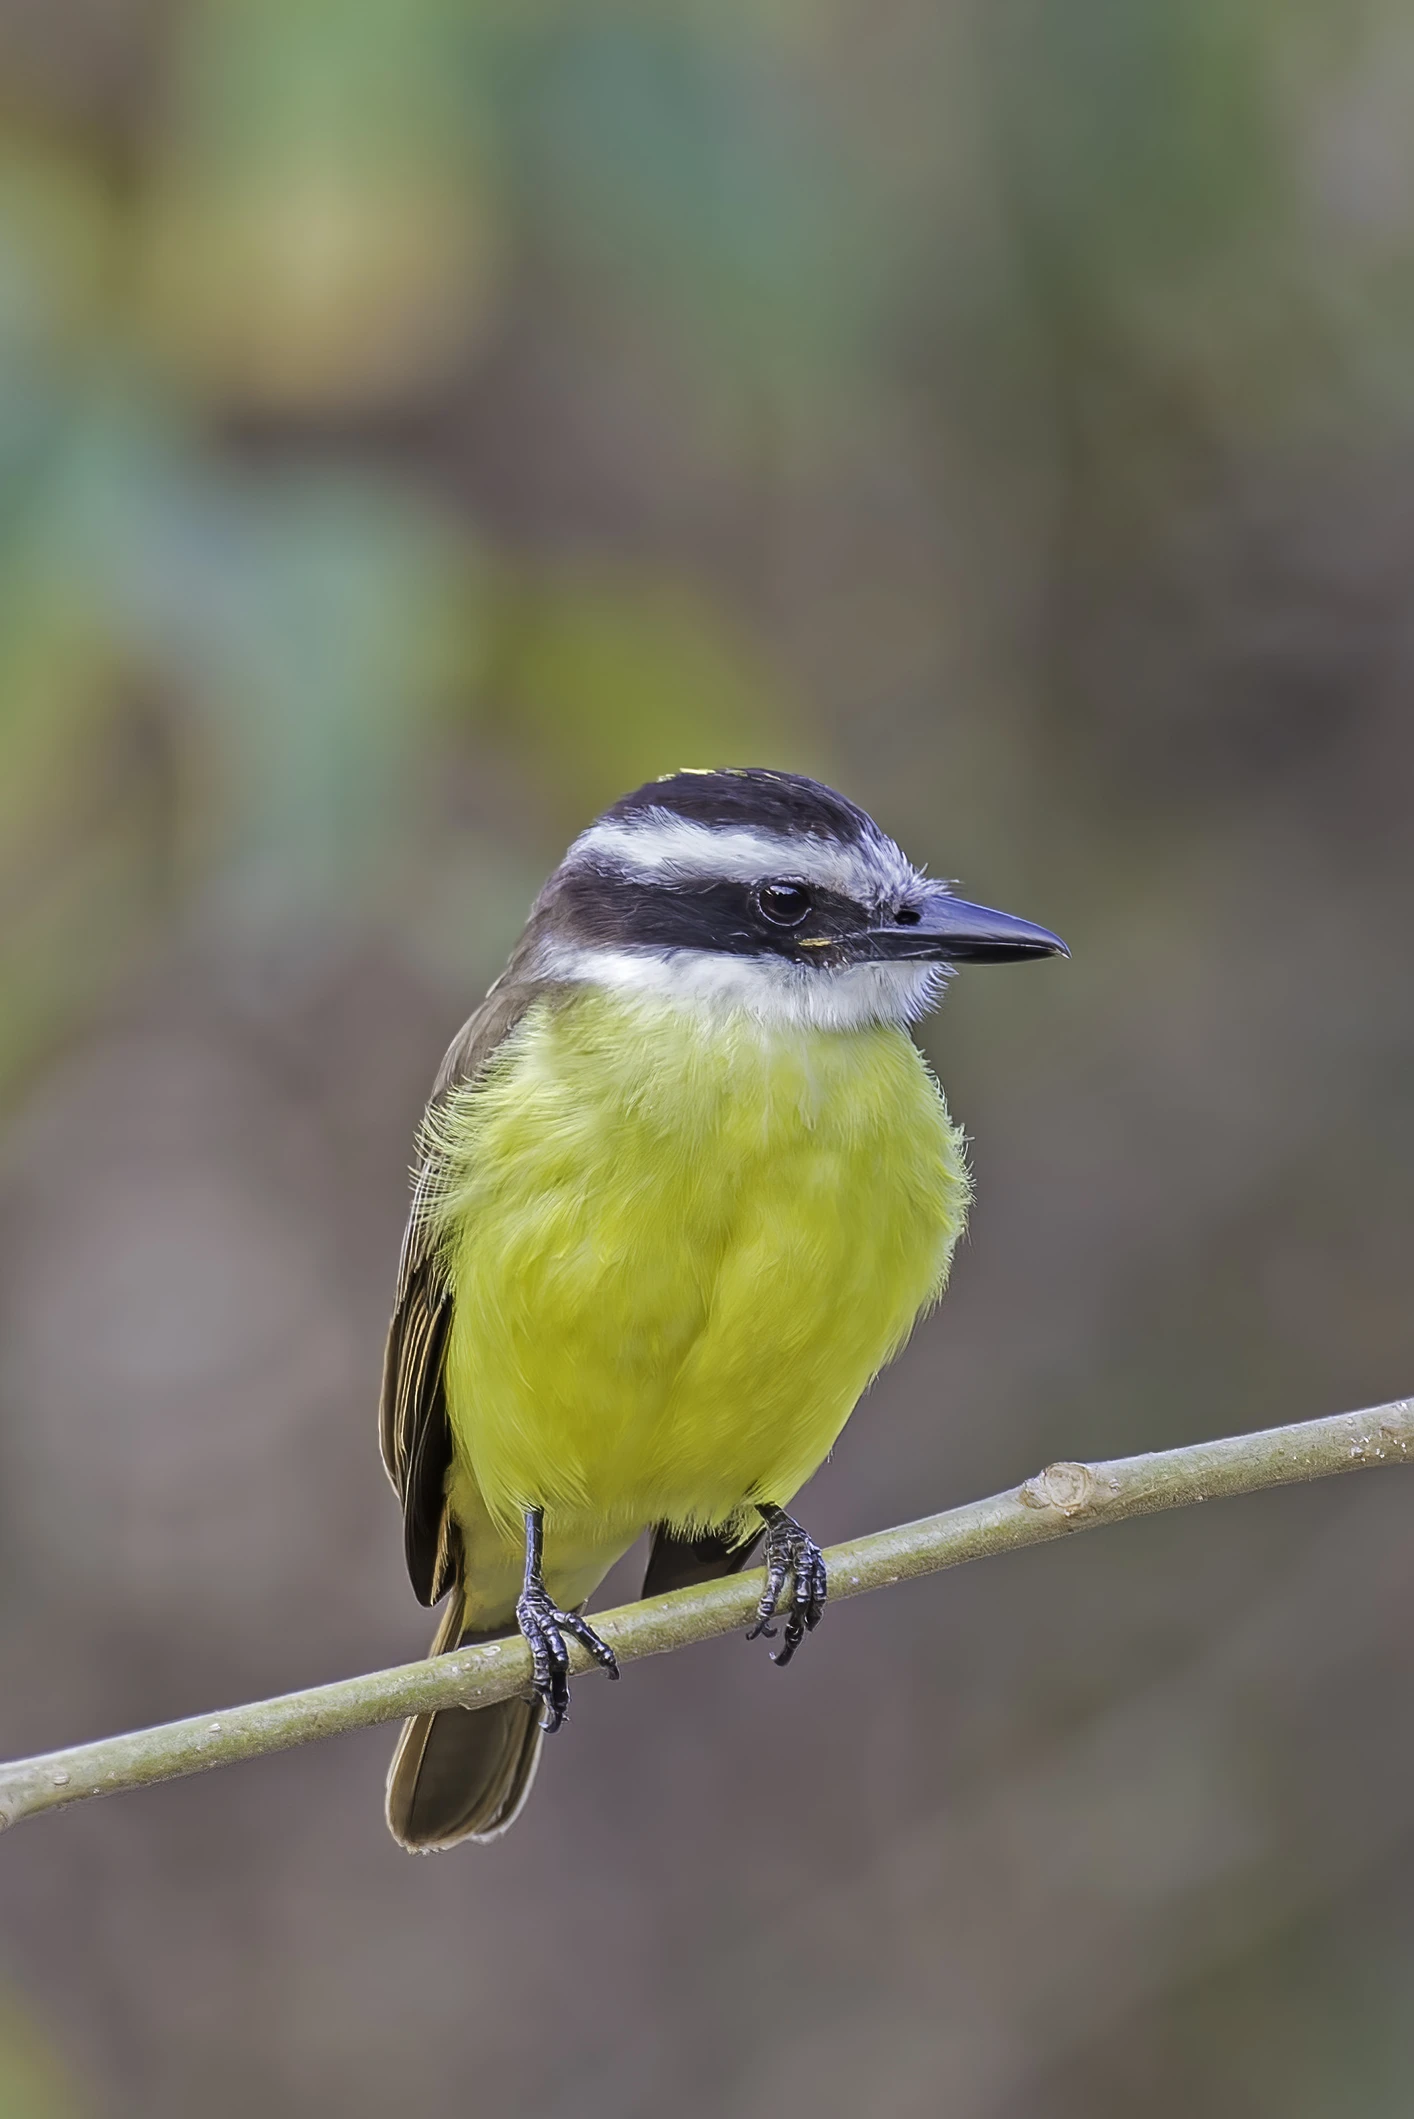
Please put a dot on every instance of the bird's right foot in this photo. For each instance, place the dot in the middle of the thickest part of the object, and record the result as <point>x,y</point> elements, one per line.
<point>544,1627</point>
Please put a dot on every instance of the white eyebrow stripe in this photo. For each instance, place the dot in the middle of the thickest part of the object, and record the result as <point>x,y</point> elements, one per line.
<point>667,846</point>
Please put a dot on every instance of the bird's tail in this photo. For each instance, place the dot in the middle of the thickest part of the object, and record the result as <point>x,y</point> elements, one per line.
<point>462,1773</point>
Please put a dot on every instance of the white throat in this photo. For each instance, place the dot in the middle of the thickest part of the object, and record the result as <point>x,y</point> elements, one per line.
<point>774,991</point>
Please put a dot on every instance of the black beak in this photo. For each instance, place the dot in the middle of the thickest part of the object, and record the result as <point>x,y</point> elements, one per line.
<point>943,929</point>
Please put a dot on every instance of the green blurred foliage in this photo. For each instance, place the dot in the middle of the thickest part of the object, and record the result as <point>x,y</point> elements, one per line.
<point>596,680</point>
<point>318,230</point>
<point>314,228</point>
<point>688,173</point>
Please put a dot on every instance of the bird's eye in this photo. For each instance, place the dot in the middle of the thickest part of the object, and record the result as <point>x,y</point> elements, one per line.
<point>783,904</point>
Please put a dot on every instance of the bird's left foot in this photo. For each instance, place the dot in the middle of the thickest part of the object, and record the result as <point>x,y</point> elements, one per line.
<point>790,1552</point>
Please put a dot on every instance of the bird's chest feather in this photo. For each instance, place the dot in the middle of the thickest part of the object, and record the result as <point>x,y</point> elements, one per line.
<point>680,1244</point>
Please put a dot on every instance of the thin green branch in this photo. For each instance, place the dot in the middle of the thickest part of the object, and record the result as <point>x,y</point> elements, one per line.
<point>1057,1501</point>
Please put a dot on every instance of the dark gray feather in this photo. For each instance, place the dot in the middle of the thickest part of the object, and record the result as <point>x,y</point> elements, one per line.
<point>681,1563</point>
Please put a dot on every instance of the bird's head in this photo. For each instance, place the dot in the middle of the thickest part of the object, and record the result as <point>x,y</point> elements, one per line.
<point>762,891</point>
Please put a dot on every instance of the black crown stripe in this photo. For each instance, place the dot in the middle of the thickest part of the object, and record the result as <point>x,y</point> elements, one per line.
<point>751,798</point>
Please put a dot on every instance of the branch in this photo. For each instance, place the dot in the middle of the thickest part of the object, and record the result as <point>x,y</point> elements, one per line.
<point>1057,1501</point>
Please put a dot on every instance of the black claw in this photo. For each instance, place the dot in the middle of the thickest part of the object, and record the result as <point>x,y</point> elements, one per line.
<point>589,1640</point>
<point>545,1627</point>
<point>790,1552</point>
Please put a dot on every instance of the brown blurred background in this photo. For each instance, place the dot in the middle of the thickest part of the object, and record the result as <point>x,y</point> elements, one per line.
<point>420,421</point>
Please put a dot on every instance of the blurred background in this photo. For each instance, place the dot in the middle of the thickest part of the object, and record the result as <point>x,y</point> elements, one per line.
<point>421,421</point>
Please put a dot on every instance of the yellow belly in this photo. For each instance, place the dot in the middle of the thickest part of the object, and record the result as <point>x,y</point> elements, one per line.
<point>680,1245</point>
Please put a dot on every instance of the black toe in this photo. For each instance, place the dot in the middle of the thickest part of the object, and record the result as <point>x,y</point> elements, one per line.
<point>790,1554</point>
<point>544,1628</point>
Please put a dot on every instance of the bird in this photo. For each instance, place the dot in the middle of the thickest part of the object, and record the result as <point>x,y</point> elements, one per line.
<point>684,1184</point>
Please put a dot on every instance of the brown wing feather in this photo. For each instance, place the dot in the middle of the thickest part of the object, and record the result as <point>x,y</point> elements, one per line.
<point>413,1430</point>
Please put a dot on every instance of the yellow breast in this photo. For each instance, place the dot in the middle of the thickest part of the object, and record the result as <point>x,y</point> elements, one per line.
<point>680,1244</point>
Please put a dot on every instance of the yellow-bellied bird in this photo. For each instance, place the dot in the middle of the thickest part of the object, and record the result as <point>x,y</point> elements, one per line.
<point>685,1183</point>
